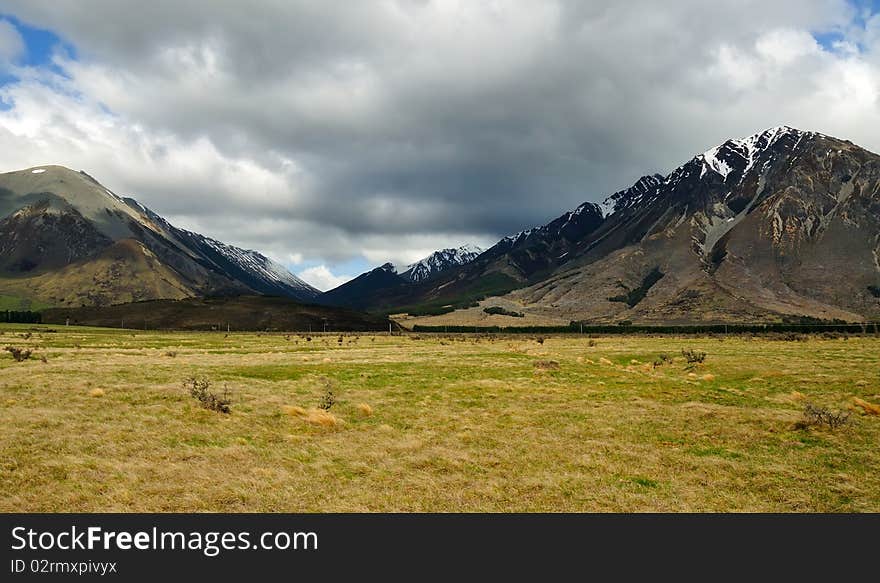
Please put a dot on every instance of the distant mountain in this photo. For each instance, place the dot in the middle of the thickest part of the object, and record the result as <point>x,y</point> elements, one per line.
<point>67,240</point>
<point>384,286</point>
<point>513,262</point>
<point>440,261</point>
<point>783,224</point>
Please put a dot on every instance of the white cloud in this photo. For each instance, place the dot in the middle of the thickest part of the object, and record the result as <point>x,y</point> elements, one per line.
<point>322,278</point>
<point>784,46</point>
<point>11,43</point>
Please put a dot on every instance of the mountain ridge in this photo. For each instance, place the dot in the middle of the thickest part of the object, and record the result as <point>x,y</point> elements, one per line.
<point>751,228</point>
<point>56,222</point>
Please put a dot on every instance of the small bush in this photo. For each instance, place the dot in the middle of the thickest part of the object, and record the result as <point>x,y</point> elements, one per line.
<point>693,356</point>
<point>19,354</point>
<point>662,359</point>
<point>171,354</point>
<point>199,388</point>
<point>539,340</point>
<point>814,415</point>
<point>328,399</point>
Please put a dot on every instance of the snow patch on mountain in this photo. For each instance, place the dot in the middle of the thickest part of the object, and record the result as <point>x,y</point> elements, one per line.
<point>645,188</point>
<point>745,152</point>
<point>441,261</point>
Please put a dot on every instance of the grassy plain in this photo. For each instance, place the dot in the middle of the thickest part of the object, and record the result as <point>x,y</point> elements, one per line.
<point>431,423</point>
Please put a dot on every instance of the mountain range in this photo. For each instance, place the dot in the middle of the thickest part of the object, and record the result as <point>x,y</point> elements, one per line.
<point>66,240</point>
<point>781,224</point>
<point>778,225</point>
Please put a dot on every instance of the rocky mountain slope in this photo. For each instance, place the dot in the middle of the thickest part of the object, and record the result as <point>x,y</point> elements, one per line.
<point>781,224</point>
<point>67,240</point>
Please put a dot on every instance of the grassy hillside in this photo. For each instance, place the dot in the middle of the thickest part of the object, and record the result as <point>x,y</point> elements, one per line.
<point>13,302</point>
<point>434,423</point>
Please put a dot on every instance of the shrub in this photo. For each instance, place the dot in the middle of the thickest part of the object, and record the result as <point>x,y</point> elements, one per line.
<point>199,388</point>
<point>171,354</point>
<point>328,399</point>
<point>814,415</point>
<point>539,340</point>
<point>19,354</point>
<point>662,359</point>
<point>693,356</point>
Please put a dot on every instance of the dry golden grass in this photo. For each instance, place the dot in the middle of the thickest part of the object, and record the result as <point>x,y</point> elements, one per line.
<point>869,408</point>
<point>96,393</point>
<point>365,410</point>
<point>459,423</point>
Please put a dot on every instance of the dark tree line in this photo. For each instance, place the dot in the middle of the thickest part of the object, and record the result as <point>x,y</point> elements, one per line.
<point>20,317</point>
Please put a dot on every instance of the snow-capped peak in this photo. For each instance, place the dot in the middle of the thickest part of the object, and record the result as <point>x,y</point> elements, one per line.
<point>441,261</point>
<point>723,159</point>
<point>644,187</point>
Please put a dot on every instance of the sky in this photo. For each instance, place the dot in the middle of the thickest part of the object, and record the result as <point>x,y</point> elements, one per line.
<point>337,136</point>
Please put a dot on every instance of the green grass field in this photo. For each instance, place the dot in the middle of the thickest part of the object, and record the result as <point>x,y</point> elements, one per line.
<point>12,302</point>
<point>430,423</point>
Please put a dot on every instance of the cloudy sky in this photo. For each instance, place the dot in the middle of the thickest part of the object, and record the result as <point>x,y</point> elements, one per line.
<point>335,136</point>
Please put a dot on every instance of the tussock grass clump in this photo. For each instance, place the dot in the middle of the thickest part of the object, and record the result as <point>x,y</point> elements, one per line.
<point>603,360</point>
<point>171,354</point>
<point>314,416</point>
<point>199,389</point>
<point>869,408</point>
<point>96,393</point>
<point>364,410</point>
<point>19,354</point>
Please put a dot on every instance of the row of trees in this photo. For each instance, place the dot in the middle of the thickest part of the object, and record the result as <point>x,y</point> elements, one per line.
<point>20,317</point>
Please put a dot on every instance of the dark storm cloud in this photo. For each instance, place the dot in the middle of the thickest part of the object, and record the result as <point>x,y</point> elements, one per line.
<point>384,121</point>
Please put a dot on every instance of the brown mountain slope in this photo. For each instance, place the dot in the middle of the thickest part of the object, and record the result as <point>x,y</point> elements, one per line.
<point>66,239</point>
<point>125,271</point>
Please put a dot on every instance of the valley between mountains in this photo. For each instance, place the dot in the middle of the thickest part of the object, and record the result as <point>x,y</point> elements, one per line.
<point>778,226</point>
